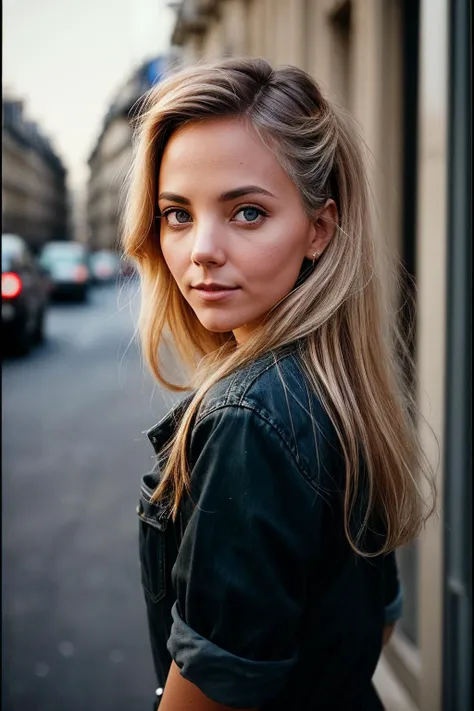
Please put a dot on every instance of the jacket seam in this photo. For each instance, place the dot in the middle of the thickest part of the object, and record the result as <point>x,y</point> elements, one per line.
<point>243,384</point>
<point>259,374</point>
<point>230,387</point>
<point>266,418</point>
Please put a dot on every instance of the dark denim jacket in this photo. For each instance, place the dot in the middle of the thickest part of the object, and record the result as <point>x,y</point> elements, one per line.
<point>253,590</point>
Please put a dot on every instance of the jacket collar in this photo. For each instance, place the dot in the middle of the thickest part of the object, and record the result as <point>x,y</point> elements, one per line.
<point>162,432</point>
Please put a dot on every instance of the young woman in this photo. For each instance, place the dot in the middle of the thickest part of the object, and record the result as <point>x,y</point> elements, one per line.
<point>290,472</point>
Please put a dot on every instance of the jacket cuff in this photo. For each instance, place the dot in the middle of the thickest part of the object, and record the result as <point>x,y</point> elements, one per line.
<point>393,611</point>
<point>221,675</point>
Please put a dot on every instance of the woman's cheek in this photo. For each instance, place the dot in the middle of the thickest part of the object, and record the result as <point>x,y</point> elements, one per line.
<point>174,260</point>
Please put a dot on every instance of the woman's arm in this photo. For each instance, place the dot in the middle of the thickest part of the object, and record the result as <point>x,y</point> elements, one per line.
<point>181,695</point>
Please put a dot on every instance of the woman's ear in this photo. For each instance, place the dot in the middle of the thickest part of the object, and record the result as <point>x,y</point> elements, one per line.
<point>324,224</point>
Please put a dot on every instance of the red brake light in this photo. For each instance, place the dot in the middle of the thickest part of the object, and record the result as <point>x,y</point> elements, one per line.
<point>11,285</point>
<point>81,273</point>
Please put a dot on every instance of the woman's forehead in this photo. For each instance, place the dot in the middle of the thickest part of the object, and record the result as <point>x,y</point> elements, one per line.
<point>217,150</point>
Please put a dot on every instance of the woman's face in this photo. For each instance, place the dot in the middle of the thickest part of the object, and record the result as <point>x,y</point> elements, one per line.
<point>233,230</point>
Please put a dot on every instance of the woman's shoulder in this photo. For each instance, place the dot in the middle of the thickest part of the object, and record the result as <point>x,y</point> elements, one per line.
<point>276,389</point>
<point>274,385</point>
<point>243,384</point>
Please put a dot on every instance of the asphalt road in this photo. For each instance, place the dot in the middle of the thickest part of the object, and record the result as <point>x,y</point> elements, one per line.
<point>74,634</point>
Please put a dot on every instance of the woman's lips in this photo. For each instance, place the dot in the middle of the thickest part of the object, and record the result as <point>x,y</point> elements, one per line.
<point>215,294</point>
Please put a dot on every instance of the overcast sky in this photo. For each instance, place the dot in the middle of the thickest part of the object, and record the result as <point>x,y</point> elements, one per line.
<point>68,58</point>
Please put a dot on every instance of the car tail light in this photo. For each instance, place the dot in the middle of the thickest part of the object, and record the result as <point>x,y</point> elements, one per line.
<point>11,285</point>
<point>81,273</point>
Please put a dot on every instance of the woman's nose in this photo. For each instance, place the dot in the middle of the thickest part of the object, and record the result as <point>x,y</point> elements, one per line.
<point>207,245</point>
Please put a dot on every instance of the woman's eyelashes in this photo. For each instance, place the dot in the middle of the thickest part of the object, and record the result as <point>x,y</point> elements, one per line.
<point>252,215</point>
<point>247,215</point>
<point>175,217</point>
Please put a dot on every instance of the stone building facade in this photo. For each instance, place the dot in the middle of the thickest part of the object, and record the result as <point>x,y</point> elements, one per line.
<point>111,158</point>
<point>34,187</point>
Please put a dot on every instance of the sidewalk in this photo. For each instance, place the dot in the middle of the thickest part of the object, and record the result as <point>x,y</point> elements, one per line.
<point>393,696</point>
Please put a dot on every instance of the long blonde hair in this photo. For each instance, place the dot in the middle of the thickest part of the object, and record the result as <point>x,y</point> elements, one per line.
<point>336,315</point>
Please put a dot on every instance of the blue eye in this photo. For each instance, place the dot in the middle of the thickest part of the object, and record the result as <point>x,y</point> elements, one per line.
<point>251,215</point>
<point>181,216</point>
<point>176,217</point>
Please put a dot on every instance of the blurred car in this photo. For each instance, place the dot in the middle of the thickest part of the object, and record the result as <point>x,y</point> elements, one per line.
<point>105,266</point>
<point>68,267</point>
<point>25,296</point>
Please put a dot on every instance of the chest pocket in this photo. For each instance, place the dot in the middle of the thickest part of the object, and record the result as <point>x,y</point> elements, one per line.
<point>152,541</point>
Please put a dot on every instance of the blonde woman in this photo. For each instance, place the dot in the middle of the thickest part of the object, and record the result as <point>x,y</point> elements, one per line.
<point>288,475</point>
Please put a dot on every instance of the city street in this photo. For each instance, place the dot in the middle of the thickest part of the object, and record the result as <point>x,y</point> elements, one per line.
<point>74,413</point>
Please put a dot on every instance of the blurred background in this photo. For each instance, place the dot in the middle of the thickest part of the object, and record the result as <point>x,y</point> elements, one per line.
<point>76,396</point>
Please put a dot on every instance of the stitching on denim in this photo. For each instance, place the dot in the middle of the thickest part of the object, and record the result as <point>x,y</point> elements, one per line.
<point>230,387</point>
<point>264,370</point>
<point>160,571</point>
<point>279,432</point>
<point>288,408</point>
<point>241,382</point>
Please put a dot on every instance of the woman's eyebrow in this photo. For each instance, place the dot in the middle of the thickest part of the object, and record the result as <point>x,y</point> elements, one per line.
<point>173,197</point>
<point>245,190</point>
<point>229,195</point>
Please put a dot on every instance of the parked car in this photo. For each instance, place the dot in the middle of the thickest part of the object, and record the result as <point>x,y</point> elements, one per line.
<point>68,266</point>
<point>25,296</point>
<point>105,266</point>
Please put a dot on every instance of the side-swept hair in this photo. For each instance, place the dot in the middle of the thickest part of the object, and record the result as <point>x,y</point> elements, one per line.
<point>336,315</point>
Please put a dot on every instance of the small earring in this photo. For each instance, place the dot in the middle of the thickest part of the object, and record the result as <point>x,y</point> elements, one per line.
<point>315,256</point>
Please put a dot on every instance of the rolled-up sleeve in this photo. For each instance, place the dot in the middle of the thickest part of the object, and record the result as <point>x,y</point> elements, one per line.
<point>241,573</point>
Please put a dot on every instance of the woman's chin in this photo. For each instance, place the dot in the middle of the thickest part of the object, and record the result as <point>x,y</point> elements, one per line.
<point>220,325</point>
<point>217,327</point>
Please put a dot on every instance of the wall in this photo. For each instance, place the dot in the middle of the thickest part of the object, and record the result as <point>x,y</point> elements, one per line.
<point>359,51</point>
<point>108,166</point>
<point>34,192</point>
